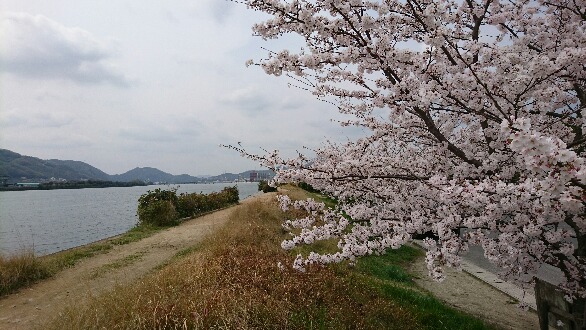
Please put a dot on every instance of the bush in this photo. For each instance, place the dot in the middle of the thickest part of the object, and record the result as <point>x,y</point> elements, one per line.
<point>191,204</point>
<point>307,187</point>
<point>158,194</point>
<point>158,213</point>
<point>263,186</point>
<point>164,207</point>
<point>158,207</point>
<point>231,195</point>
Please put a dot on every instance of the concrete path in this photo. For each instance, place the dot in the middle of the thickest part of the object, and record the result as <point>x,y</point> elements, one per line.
<point>475,264</point>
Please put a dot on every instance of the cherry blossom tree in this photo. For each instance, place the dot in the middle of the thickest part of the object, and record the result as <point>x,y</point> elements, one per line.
<point>475,113</point>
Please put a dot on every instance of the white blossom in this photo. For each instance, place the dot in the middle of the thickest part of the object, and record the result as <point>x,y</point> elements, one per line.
<point>484,129</point>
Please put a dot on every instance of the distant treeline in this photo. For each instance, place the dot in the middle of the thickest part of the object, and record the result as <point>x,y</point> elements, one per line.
<point>73,185</point>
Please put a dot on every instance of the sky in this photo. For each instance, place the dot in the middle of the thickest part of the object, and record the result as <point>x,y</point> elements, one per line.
<point>125,84</point>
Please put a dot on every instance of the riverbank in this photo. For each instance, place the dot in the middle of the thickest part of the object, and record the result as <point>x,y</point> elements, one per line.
<point>22,269</point>
<point>48,221</point>
<point>118,265</point>
<point>178,275</point>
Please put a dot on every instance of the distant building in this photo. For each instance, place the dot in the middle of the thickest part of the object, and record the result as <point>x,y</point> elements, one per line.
<point>253,176</point>
<point>27,184</point>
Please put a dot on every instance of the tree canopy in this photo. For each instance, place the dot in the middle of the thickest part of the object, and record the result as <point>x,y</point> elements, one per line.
<point>483,129</point>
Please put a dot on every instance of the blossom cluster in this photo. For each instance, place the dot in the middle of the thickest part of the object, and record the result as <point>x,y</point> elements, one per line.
<point>481,141</point>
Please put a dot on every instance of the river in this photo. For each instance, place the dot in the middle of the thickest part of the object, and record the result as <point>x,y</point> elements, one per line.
<point>49,221</point>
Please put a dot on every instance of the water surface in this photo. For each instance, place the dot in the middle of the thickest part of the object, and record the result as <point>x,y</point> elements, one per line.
<point>48,221</point>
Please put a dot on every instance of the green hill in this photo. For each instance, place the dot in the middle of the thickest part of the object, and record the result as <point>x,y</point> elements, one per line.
<point>26,168</point>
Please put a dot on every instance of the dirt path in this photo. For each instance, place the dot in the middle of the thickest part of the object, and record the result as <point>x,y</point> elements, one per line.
<point>122,264</point>
<point>126,263</point>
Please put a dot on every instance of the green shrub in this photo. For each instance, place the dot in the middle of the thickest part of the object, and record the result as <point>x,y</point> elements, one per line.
<point>263,186</point>
<point>230,195</point>
<point>158,213</point>
<point>158,207</point>
<point>307,187</point>
<point>194,204</point>
<point>158,195</point>
<point>190,205</point>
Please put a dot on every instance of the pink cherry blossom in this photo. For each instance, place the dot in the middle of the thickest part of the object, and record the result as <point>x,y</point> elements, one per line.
<point>484,132</point>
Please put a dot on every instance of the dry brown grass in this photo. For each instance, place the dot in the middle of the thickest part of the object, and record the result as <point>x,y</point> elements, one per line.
<point>20,270</point>
<point>232,281</point>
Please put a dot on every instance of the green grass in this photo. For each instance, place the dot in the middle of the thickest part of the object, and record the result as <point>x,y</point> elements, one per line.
<point>136,233</point>
<point>65,259</point>
<point>120,263</point>
<point>390,266</point>
<point>387,275</point>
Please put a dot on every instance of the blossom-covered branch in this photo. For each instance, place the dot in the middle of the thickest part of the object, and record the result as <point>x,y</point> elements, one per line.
<point>484,123</point>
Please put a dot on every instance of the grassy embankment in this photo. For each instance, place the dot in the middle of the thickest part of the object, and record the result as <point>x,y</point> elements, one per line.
<point>231,280</point>
<point>23,269</point>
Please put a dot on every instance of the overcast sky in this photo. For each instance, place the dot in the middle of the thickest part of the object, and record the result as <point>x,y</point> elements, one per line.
<point>121,84</point>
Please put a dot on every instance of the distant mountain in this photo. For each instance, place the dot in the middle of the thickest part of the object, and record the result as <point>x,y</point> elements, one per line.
<point>18,168</point>
<point>83,169</point>
<point>149,174</point>
<point>260,175</point>
<point>15,167</point>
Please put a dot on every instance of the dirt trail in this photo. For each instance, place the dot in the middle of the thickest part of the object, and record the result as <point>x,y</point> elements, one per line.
<point>123,264</point>
<point>126,263</point>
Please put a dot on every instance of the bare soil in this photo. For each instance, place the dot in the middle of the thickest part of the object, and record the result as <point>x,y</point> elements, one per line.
<point>30,307</point>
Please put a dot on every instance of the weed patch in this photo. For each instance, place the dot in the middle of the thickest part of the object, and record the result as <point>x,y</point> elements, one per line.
<point>20,270</point>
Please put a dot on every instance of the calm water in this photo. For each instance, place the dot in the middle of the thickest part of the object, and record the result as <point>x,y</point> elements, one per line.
<point>53,220</point>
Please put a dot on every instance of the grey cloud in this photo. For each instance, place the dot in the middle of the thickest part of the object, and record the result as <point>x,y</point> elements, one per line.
<point>174,131</point>
<point>54,140</point>
<point>34,119</point>
<point>38,47</point>
<point>11,119</point>
<point>290,103</point>
<point>249,100</point>
<point>148,135</point>
<point>221,10</point>
<point>335,132</point>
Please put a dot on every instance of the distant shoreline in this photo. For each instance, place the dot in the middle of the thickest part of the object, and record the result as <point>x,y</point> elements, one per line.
<point>101,184</point>
<point>73,185</point>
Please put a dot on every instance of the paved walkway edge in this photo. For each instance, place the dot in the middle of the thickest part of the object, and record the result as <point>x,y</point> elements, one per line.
<point>505,287</point>
<point>491,279</point>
